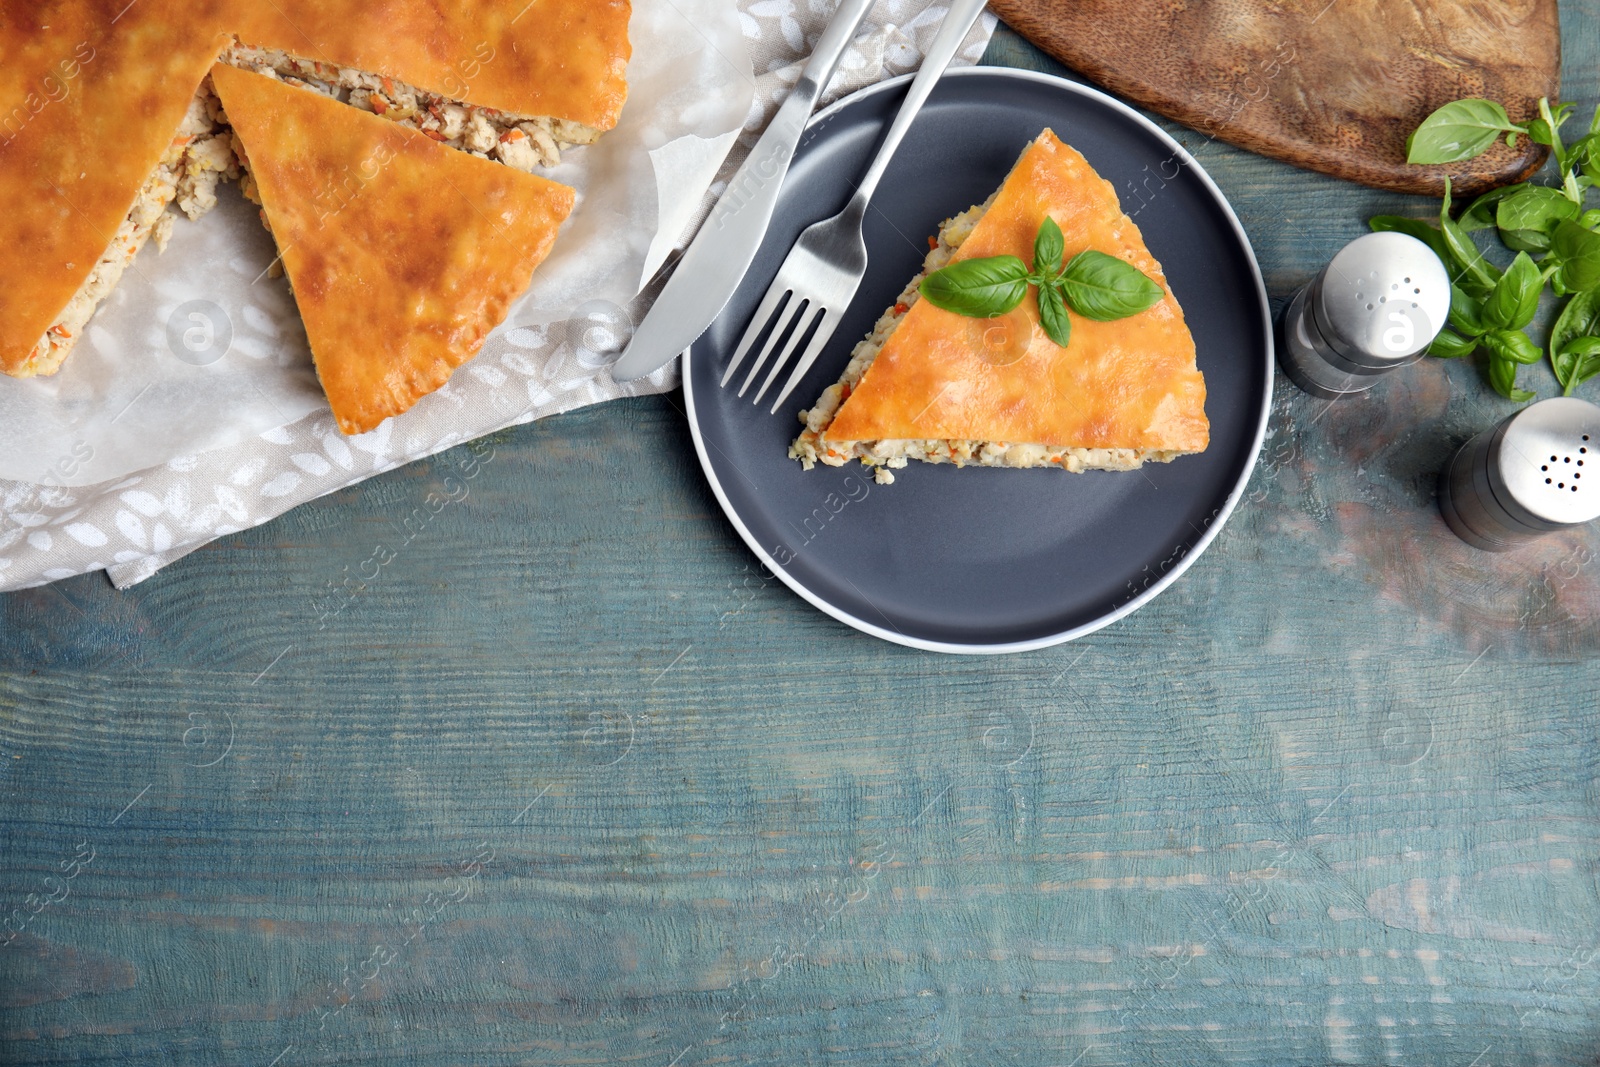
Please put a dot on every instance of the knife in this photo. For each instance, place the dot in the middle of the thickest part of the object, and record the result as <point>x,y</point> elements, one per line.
<point>716,260</point>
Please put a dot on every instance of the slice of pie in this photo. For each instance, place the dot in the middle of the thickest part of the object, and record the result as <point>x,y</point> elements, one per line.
<point>932,385</point>
<point>402,253</point>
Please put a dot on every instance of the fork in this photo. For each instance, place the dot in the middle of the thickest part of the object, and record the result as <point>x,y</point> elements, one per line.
<point>824,269</point>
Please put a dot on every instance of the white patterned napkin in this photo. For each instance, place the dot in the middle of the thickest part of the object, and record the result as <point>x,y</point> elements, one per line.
<point>135,525</point>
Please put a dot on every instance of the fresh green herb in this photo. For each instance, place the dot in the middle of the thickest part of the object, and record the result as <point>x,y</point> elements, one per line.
<point>1053,315</point>
<point>979,288</point>
<point>1503,376</point>
<point>1466,313</point>
<point>1553,231</point>
<point>1452,346</point>
<point>1578,251</point>
<point>1514,345</point>
<point>1048,248</point>
<point>1102,287</point>
<point>1093,284</point>
<point>1572,341</point>
<point>1481,215</point>
<point>1514,300</point>
<point>1474,270</point>
<point>1528,218</point>
<point>1460,130</point>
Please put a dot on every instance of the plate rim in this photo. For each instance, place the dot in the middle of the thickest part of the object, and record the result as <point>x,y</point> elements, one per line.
<point>1204,541</point>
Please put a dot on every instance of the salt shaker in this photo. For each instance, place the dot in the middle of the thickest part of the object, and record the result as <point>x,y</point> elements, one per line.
<point>1375,308</point>
<point>1531,475</point>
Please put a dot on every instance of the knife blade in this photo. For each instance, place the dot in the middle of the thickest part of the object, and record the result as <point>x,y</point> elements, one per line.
<point>716,260</point>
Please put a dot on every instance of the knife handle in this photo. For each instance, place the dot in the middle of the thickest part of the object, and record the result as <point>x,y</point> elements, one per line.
<point>830,49</point>
<point>768,161</point>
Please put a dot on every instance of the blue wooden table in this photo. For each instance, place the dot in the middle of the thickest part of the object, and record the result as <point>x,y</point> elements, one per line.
<point>574,782</point>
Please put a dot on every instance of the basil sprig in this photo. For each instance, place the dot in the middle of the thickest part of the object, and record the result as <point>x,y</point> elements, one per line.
<point>1460,130</point>
<point>1575,341</point>
<point>1490,309</point>
<point>1093,284</point>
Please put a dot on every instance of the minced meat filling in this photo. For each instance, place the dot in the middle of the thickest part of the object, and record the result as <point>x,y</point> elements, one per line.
<point>521,141</point>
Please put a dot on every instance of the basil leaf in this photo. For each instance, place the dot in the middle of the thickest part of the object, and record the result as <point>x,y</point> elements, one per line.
<point>1580,318</point>
<point>1584,155</point>
<point>1053,315</point>
<point>1576,363</point>
<point>1534,207</point>
<point>1503,376</point>
<point>1452,346</point>
<point>1582,358</point>
<point>1515,299</point>
<point>1421,229</point>
<point>1466,312</point>
<point>1465,263</point>
<point>1048,248</point>
<point>1513,345</point>
<point>1578,250</point>
<point>1102,287</point>
<point>978,288</point>
<point>1527,219</point>
<point>1525,240</point>
<point>1480,216</point>
<point>1459,130</point>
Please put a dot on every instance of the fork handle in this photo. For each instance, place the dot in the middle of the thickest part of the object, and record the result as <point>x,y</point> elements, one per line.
<point>957,22</point>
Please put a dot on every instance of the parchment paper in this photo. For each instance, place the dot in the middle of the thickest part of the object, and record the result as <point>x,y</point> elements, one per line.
<point>191,460</point>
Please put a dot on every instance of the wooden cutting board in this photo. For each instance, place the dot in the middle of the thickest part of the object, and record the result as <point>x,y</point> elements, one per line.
<point>1330,86</point>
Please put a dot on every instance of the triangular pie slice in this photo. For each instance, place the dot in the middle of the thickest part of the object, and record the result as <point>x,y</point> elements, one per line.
<point>932,385</point>
<point>403,254</point>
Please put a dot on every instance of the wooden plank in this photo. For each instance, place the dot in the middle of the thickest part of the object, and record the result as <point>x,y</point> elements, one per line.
<point>570,782</point>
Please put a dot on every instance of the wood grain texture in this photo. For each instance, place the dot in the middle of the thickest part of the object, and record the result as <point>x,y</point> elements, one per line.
<point>571,782</point>
<point>1332,85</point>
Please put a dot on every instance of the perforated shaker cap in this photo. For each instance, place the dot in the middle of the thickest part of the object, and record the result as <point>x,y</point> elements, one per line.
<point>1384,298</point>
<point>1549,461</point>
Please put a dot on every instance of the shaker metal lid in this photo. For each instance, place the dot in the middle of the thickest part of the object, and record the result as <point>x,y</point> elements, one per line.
<point>1549,461</point>
<point>1383,299</point>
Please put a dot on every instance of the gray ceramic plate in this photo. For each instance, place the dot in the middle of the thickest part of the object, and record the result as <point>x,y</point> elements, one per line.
<point>984,559</point>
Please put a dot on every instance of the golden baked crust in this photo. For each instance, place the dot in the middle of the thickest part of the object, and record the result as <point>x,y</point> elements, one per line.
<point>94,100</point>
<point>564,58</point>
<point>1127,384</point>
<point>403,254</point>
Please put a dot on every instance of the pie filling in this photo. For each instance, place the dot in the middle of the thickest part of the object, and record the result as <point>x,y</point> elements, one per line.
<point>204,153</point>
<point>200,156</point>
<point>812,447</point>
<point>520,141</point>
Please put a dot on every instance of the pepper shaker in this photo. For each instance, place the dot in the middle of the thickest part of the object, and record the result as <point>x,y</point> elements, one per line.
<point>1374,308</point>
<point>1531,475</point>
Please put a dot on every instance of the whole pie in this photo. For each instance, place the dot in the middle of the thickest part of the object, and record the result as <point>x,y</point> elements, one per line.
<point>115,118</point>
<point>933,385</point>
